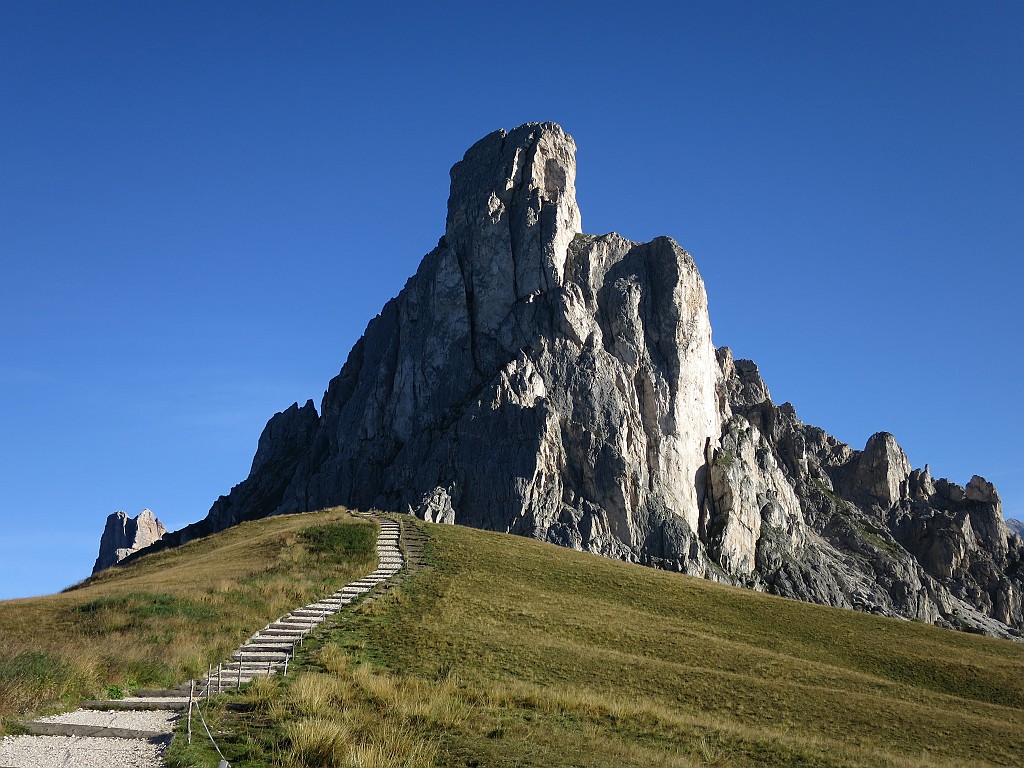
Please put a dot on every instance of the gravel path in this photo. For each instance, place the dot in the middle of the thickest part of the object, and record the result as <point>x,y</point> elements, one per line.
<point>78,752</point>
<point>136,720</point>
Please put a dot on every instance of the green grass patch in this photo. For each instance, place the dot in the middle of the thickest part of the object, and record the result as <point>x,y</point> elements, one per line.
<point>339,542</point>
<point>725,459</point>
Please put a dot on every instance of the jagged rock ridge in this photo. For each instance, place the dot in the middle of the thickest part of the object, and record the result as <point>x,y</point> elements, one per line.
<point>123,535</point>
<point>533,379</point>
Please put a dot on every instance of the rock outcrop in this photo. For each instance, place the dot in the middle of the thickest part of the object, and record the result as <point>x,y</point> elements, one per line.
<point>876,535</point>
<point>533,379</point>
<point>123,535</point>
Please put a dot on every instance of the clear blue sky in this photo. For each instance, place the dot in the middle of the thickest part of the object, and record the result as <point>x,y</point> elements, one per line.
<point>202,205</point>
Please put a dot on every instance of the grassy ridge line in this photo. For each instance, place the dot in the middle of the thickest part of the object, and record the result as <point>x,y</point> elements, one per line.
<point>509,652</point>
<point>164,617</point>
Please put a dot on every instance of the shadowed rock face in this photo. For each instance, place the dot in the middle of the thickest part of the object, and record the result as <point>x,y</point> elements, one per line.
<point>123,535</point>
<point>533,379</point>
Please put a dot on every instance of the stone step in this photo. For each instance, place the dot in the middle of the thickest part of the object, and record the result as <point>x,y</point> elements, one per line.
<point>257,655</point>
<point>263,638</point>
<point>232,678</point>
<point>157,693</point>
<point>164,702</point>
<point>72,729</point>
<point>293,641</point>
<point>282,631</point>
<point>233,682</point>
<point>268,647</point>
<point>276,635</point>
<point>230,671</point>
<point>303,625</point>
<point>255,658</point>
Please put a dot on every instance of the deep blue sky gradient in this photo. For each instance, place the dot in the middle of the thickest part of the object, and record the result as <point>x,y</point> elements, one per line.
<point>203,204</point>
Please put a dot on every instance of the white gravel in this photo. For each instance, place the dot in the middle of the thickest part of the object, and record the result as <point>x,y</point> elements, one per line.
<point>137,720</point>
<point>78,752</point>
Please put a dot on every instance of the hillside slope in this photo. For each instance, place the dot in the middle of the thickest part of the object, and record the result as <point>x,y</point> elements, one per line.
<point>161,619</point>
<point>506,651</point>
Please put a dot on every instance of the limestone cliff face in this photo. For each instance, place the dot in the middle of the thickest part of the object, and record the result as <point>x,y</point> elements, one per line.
<point>123,535</point>
<point>530,378</point>
<point>869,532</point>
<point>533,379</point>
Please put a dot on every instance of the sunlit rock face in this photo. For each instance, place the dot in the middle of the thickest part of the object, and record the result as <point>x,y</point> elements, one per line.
<point>123,535</point>
<point>870,533</point>
<point>533,379</point>
<point>530,378</point>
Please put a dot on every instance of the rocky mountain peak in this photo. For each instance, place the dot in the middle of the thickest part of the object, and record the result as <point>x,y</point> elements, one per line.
<point>882,472</point>
<point>123,535</point>
<point>536,380</point>
<point>512,214</point>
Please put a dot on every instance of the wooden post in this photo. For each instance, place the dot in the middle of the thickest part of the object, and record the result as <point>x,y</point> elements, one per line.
<point>239,685</point>
<point>219,670</point>
<point>191,697</point>
<point>209,681</point>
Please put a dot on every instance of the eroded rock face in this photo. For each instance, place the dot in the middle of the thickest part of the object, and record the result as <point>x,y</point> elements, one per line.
<point>536,380</point>
<point>123,535</point>
<point>749,491</point>
<point>882,472</point>
<point>529,378</point>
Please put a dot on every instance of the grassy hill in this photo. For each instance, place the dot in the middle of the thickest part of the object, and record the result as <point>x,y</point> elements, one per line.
<point>509,652</point>
<point>162,619</point>
<point>504,651</point>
